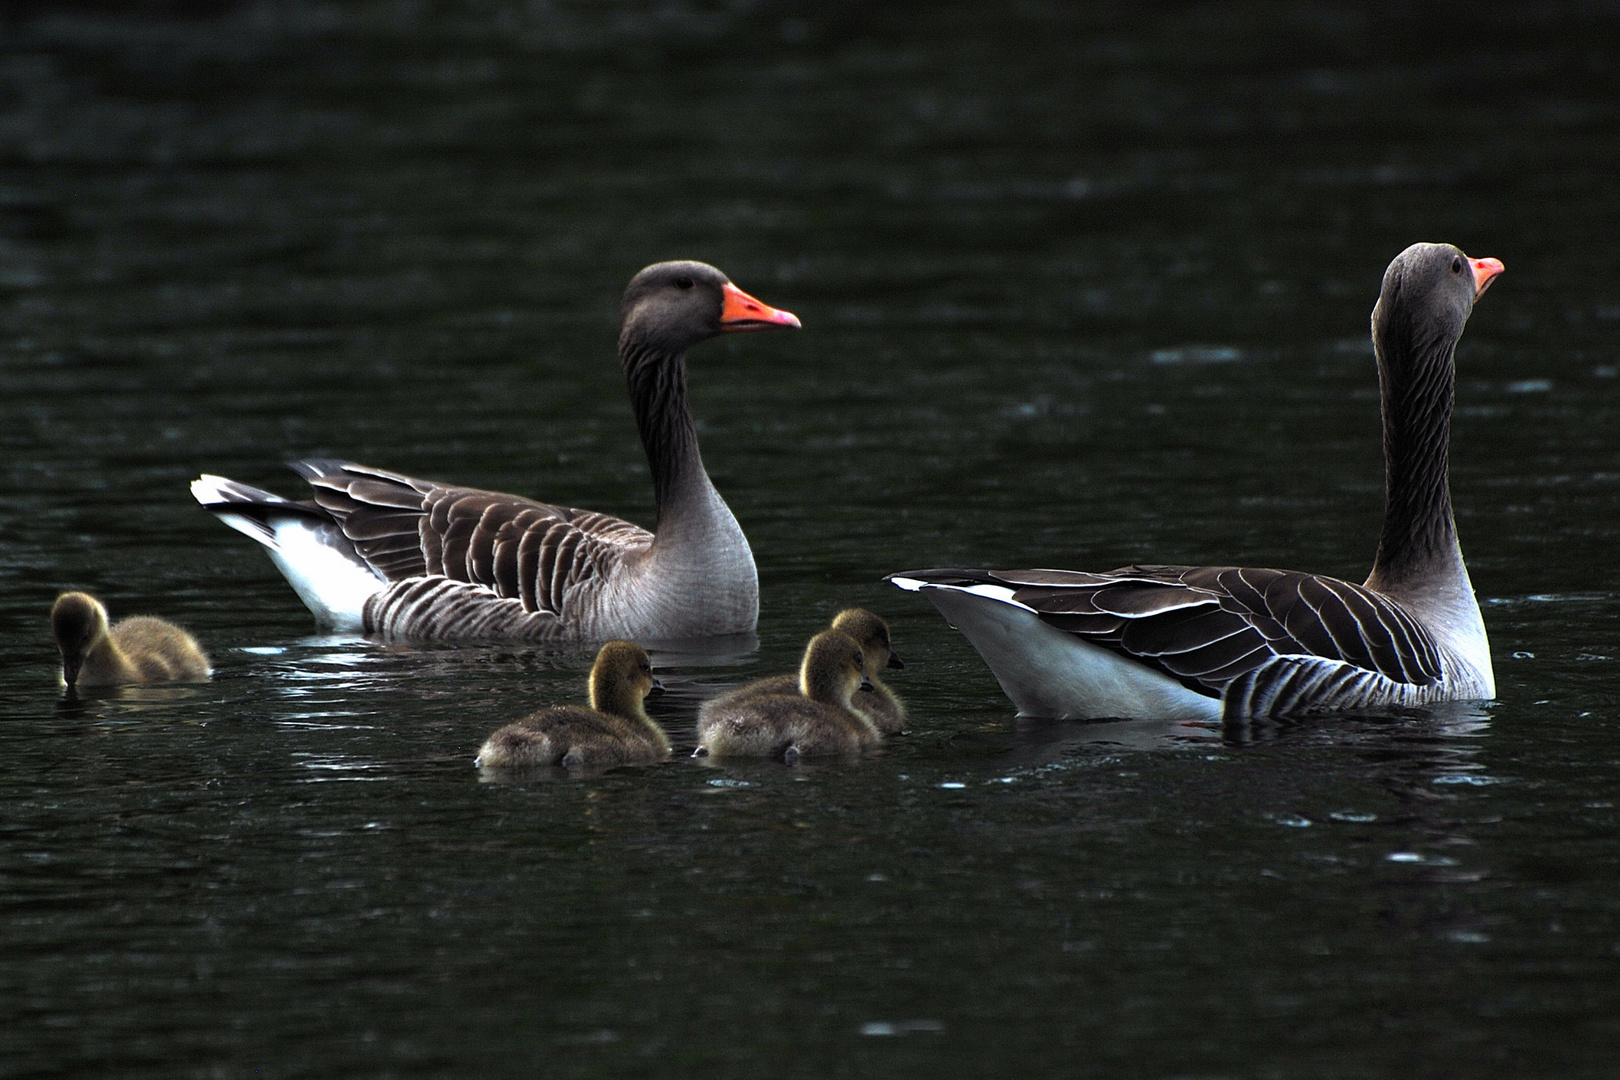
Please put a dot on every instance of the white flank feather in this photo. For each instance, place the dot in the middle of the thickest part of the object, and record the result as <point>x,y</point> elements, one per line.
<point>1049,673</point>
<point>314,556</point>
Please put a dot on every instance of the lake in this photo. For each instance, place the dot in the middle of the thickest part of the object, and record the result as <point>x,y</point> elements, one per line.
<point>1082,285</point>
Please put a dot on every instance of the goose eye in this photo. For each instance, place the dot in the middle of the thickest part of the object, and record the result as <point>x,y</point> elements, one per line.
<point>683,283</point>
<point>1456,265</point>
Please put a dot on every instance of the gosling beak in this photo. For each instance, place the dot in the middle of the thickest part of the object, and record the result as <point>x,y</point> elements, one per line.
<point>866,684</point>
<point>70,670</point>
<point>1485,271</point>
<point>742,312</point>
<point>896,663</point>
<point>657,687</point>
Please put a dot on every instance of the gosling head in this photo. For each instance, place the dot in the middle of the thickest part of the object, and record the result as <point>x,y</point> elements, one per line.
<point>672,306</point>
<point>621,679</point>
<point>80,623</point>
<point>872,634</point>
<point>834,668</point>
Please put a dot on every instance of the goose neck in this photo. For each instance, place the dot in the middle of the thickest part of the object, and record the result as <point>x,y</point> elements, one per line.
<point>656,381</point>
<point>1419,540</point>
<point>617,696</point>
<point>821,685</point>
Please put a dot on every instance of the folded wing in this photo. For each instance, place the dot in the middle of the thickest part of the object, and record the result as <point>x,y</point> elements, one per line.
<point>528,552</point>
<point>1211,626</point>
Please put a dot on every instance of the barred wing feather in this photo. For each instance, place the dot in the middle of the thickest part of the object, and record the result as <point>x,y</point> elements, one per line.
<point>1270,637</point>
<point>514,549</point>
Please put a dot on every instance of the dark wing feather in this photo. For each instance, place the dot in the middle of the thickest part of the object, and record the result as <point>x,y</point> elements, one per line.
<point>516,548</point>
<point>1211,626</point>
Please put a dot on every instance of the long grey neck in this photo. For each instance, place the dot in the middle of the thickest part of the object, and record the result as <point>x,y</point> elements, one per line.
<point>699,574</point>
<point>657,385</point>
<point>1418,550</point>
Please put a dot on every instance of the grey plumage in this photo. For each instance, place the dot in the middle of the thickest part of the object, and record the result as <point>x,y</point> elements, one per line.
<point>1234,633</point>
<point>1208,641</point>
<point>397,556</point>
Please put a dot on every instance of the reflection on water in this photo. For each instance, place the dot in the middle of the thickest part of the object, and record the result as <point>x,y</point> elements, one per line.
<point>1083,284</point>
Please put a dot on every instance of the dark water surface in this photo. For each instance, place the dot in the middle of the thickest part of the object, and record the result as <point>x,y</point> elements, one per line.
<point>1081,287</point>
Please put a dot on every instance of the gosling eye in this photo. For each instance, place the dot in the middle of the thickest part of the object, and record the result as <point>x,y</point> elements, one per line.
<point>1456,264</point>
<point>684,283</point>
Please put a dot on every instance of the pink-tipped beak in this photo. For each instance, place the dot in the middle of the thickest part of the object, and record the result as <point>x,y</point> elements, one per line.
<point>742,312</point>
<point>1485,271</point>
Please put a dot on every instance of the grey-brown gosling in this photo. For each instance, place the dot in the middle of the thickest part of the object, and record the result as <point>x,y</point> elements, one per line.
<point>820,719</point>
<point>615,730</point>
<point>139,649</point>
<point>880,704</point>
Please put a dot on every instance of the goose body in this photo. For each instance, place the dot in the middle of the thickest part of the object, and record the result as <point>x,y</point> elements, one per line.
<point>1214,642</point>
<point>381,553</point>
<point>818,720</point>
<point>615,730</point>
<point>877,702</point>
<point>139,649</point>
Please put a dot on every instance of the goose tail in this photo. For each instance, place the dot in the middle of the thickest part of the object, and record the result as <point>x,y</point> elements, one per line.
<point>304,542</point>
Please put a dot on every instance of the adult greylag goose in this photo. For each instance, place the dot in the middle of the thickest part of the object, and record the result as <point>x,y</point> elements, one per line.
<point>615,730</point>
<point>1209,642</point>
<point>818,719</point>
<point>386,554</point>
<point>139,649</point>
<point>881,705</point>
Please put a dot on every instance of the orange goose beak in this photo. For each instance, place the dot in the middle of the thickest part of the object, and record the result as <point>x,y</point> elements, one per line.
<point>742,312</point>
<point>1485,270</point>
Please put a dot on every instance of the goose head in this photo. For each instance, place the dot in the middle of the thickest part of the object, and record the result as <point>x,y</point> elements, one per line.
<point>1428,293</point>
<point>833,669</point>
<point>672,306</point>
<point>621,679</point>
<point>871,633</point>
<point>80,623</point>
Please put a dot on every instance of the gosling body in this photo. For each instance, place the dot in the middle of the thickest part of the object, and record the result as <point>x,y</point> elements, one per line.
<point>879,704</point>
<point>818,720</point>
<point>139,649</point>
<point>615,730</point>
